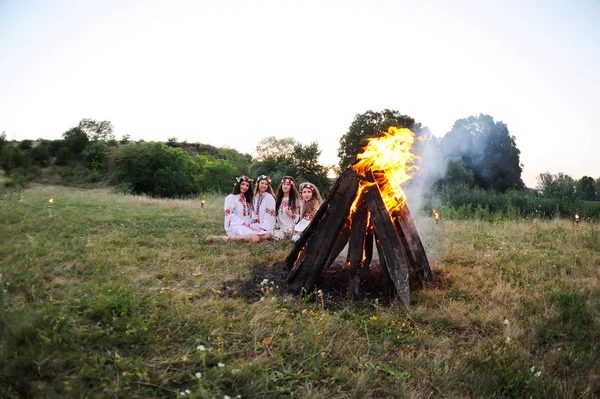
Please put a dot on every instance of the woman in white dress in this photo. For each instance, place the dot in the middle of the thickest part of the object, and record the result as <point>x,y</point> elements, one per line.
<point>311,201</point>
<point>287,206</point>
<point>238,213</point>
<point>264,208</point>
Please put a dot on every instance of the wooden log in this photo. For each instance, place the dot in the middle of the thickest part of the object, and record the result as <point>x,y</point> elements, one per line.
<point>293,256</point>
<point>405,223</point>
<point>356,246</point>
<point>339,245</point>
<point>366,264</point>
<point>393,251</point>
<point>407,231</point>
<point>388,284</point>
<point>316,251</point>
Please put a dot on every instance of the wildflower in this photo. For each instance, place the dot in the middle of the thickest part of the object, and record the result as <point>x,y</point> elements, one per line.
<point>265,282</point>
<point>198,375</point>
<point>188,391</point>
<point>507,340</point>
<point>226,397</point>
<point>533,369</point>
<point>304,311</point>
<point>374,318</point>
<point>262,298</point>
<point>221,364</point>
<point>506,321</point>
<point>201,348</point>
<point>538,373</point>
<point>182,393</point>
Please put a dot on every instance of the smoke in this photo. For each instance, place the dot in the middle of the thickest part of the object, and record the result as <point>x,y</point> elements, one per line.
<point>432,168</point>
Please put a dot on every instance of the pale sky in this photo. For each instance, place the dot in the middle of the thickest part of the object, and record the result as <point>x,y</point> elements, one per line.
<point>229,73</point>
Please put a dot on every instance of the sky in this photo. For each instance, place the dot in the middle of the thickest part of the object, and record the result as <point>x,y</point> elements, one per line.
<point>229,73</point>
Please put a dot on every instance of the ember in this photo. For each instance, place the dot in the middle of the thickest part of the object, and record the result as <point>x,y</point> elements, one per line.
<point>366,206</point>
<point>576,218</point>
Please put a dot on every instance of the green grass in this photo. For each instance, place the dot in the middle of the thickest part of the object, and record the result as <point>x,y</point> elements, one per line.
<point>113,295</point>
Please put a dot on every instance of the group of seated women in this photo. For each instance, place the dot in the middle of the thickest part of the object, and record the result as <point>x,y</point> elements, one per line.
<point>257,214</point>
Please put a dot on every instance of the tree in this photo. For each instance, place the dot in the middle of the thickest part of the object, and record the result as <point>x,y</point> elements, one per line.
<point>488,150</point>
<point>97,131</point>
<point>586,188</point>
<point>457,173</point>
<point>75,139</point>
<point>367,125</point>
<point>272,147</point>
<point>545,182</point>
<point>286,156</point>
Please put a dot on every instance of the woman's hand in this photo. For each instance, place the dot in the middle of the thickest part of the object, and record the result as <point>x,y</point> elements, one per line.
<point>289,212</point>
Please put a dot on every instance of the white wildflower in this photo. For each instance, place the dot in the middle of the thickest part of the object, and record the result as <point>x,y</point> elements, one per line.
<point>221,364</point>
<point>506,321</point>
<point>226,397</point>
<point>304,311</point>
<point>198,375</point>
<point>533,369</point>
<point>507,340</point>
<point>201,348</point>
<point>188,391</point>
<point>182,393</point>
<point>262,298</point>
<point>538,373</point>
<point>265,282</point>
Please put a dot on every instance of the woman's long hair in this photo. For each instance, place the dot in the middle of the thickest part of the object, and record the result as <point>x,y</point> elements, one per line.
<point>258,180</point>
<point>315,201</point>
<point>294,196</point>
<point>248,194</point>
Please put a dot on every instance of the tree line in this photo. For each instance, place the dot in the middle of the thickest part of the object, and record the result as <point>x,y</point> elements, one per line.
<point>477,153</point>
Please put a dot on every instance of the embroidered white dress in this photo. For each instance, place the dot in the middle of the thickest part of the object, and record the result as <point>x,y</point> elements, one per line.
<point>238,215</point>
<point>285,223</point>
<point>264,213</point>
<point>305,221</point>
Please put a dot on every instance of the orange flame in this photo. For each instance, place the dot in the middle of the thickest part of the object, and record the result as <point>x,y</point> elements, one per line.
<point>436,215</point>
<point>576,218</point>
<point>51,200</point>
<point>391,156</point>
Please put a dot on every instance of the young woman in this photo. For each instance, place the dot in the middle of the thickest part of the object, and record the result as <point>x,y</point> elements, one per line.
<point>311,201</point>
<point>264,207</point>
<point>287,206</point>
<point>238,212</point>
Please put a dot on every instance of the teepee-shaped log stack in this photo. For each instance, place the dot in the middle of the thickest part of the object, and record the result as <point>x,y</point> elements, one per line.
<point>354,213</point>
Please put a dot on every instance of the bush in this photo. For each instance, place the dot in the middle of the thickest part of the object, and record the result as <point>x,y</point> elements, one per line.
<point>95,156</point>
<point>40,154</point>
<point>156,169</point>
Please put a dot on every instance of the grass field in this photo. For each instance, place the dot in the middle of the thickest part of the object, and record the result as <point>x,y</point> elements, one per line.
<point>118,296</point>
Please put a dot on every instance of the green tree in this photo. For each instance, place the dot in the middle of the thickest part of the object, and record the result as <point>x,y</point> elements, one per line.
<point>157,169</point>
<point>488,150</point>
<point>75,139</point>
<point>457,173</point>
<point>286,156</point>
<point>545,181</point>
<point>367,125</point>
<point>95,156</point>
<point>40,154</point>
<point>216,175</point>
<point>97,130</point>
<point>586,188</point>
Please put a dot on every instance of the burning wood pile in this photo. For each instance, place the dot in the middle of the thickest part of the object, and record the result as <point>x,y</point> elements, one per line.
<point>366,206</point>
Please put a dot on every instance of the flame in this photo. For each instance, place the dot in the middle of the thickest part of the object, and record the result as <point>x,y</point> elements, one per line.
<point>436,215</point>
<point>577,217</point>
<point>390,159</point>
<point>51,200</point>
